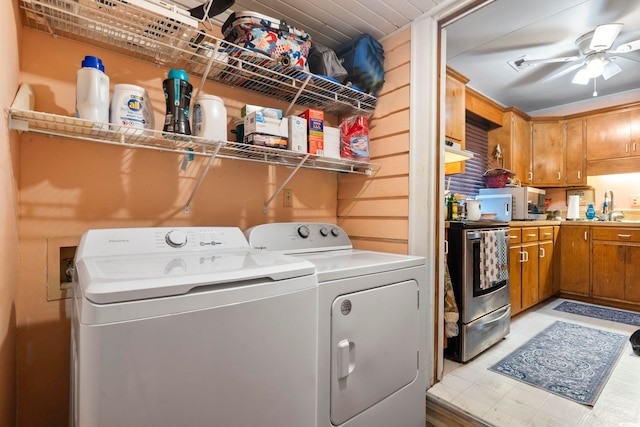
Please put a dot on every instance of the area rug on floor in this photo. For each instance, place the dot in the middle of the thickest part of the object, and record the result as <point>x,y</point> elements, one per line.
<point>569,360</point>
<point>598,312</point>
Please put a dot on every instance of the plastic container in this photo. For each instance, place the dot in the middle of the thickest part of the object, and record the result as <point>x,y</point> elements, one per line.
<point>210,118</point>
<point>131,108</point>
<point>590,213</point>
<point>92,91</point>
<point>177,93</point>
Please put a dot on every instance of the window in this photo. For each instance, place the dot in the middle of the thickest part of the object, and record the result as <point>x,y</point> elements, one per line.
<point>476,141</point>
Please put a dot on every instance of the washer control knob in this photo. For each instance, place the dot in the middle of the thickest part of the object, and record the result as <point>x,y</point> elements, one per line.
<point>303,231</point>
<point>324,231</point>
<point>176,239</point>
<point>335,232</point>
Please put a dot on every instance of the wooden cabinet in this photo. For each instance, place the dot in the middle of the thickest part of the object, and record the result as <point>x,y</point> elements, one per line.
<point>515,271</point>
<point>574,137</point>
<point>613,135</point>
<point>615,255</point>
<point>514,138</point>
<point>574,260</point>
<point>454,119</point>
<point>548,153</point>
<point>545,263</point>
<point>531,265</point>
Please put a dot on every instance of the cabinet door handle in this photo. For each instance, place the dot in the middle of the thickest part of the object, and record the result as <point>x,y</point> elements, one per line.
<point>523,256</point>
<point>586,236</point>
<point>542,252</point>
<point>513,237</point>
<point>624,236</point>
<point>626,148</point>
<point>532,235</point>
<point>579,175</point>
<point>446,247</point>
<point>558,176</point>
<point>546,234</point>
<point>530,175</point>
<point>634,147</point>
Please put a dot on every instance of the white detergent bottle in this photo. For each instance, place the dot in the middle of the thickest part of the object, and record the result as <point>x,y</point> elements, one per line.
<point>92,92</point>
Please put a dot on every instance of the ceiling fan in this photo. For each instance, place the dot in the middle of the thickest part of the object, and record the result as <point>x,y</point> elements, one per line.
<point>594,57</point>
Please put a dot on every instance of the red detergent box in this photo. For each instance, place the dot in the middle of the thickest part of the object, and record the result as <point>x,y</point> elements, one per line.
<point>315,136</point>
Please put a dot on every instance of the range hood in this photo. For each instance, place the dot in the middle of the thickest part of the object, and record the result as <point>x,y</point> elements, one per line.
<point>453,153</point>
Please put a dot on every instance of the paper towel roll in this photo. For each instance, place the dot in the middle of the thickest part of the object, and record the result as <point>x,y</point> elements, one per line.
<point>573,212</point>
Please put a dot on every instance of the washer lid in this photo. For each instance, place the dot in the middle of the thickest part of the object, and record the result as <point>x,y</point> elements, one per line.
<point>112,279</point>
<point>340,264</point>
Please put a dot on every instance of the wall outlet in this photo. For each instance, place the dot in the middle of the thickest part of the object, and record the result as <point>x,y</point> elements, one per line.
<point>634,200</point>
<point>287,198</point>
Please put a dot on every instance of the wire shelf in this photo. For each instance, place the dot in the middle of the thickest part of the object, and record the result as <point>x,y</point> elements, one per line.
<point>71,127</point>
<point>123,28</point>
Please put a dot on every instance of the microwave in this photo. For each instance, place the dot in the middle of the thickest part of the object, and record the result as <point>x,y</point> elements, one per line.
<point>526,201</point>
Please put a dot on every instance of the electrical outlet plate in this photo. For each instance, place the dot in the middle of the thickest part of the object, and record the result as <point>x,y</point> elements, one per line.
<point>287,198</point>
<point>634,200</point>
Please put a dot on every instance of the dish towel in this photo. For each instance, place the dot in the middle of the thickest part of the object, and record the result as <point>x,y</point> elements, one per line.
<point>451,314</point>
<point>494,265</point>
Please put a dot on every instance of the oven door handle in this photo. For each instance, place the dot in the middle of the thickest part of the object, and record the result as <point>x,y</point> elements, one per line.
<point>489,323</point>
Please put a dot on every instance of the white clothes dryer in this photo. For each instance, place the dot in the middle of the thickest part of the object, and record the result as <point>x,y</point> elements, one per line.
<point>189,327</point>
<point>372,326</point>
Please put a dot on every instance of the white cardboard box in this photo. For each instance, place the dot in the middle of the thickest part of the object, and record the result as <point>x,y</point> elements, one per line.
<point>256,122</point>
<point>332,142</point>
<point>297,134</point>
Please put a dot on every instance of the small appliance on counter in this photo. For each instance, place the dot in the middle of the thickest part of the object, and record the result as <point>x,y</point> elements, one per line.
<point>499,204</point>
<point>527,202</point>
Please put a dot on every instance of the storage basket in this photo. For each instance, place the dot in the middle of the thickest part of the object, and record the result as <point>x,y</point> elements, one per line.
<point>496,178</point>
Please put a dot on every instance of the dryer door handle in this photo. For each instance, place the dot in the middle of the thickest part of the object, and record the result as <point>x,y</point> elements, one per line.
<point>346,358</point>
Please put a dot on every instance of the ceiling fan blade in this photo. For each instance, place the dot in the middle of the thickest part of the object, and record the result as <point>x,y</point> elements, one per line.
<point>562,72</point>
<point>521,63</point>
<point>627,47</point>
<point>610,70</point>
<point>604,36</point>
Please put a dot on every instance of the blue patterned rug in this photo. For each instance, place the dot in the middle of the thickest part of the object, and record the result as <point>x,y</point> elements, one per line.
<point>569,360</point>
<point>598,312</point>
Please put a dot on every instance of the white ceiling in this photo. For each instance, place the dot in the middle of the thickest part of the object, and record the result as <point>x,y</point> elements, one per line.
<point>480,44</point>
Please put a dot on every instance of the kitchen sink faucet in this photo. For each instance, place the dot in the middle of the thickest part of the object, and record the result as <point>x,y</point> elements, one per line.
<point>608,213</point>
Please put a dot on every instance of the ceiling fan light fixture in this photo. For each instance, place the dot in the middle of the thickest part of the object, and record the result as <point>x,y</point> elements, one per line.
<point>581,77</point>
<point>595,65</point>
<point>610,70</point>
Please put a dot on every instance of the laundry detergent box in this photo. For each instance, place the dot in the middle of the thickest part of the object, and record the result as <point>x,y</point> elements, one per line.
<point>315,131</point>
<point>297,134</point>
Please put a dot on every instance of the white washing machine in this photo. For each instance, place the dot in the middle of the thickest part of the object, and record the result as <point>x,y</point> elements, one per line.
<point>372,326</point>
<point>190,327</point>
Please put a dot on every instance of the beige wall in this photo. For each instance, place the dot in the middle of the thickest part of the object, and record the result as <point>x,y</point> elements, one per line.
<point>67,187</point>
<point>375,211</point>
<point>9,33</point>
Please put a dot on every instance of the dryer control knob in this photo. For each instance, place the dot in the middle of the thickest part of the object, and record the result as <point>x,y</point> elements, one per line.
<point>303,231</point>
<point>335,232</point>
<point>324,231</point>
<point>176,239</point>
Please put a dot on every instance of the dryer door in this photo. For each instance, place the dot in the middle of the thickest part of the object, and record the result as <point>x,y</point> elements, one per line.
<point>375,343</point>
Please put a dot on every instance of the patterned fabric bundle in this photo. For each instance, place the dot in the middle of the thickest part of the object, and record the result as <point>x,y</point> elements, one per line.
<point>494,265</point>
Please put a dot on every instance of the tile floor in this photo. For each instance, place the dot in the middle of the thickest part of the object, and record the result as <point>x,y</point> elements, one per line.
<point>502,401</point>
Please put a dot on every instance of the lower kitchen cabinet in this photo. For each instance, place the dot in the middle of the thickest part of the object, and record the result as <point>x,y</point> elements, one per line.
<point>616,264</point>
<point>531,266</point>
<point>575,260</point>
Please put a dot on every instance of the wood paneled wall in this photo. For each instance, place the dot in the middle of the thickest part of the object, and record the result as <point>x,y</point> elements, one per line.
<point>374,210</point>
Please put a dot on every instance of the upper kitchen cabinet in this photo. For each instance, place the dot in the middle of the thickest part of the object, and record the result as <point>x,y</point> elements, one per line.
<point>574,135</point>
<point>610,136</point>
<point>514,139</point>
<point>454,128</point>
<point>548,153</point>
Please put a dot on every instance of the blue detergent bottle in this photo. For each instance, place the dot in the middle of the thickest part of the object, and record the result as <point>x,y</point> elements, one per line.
<point>590,212</point>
